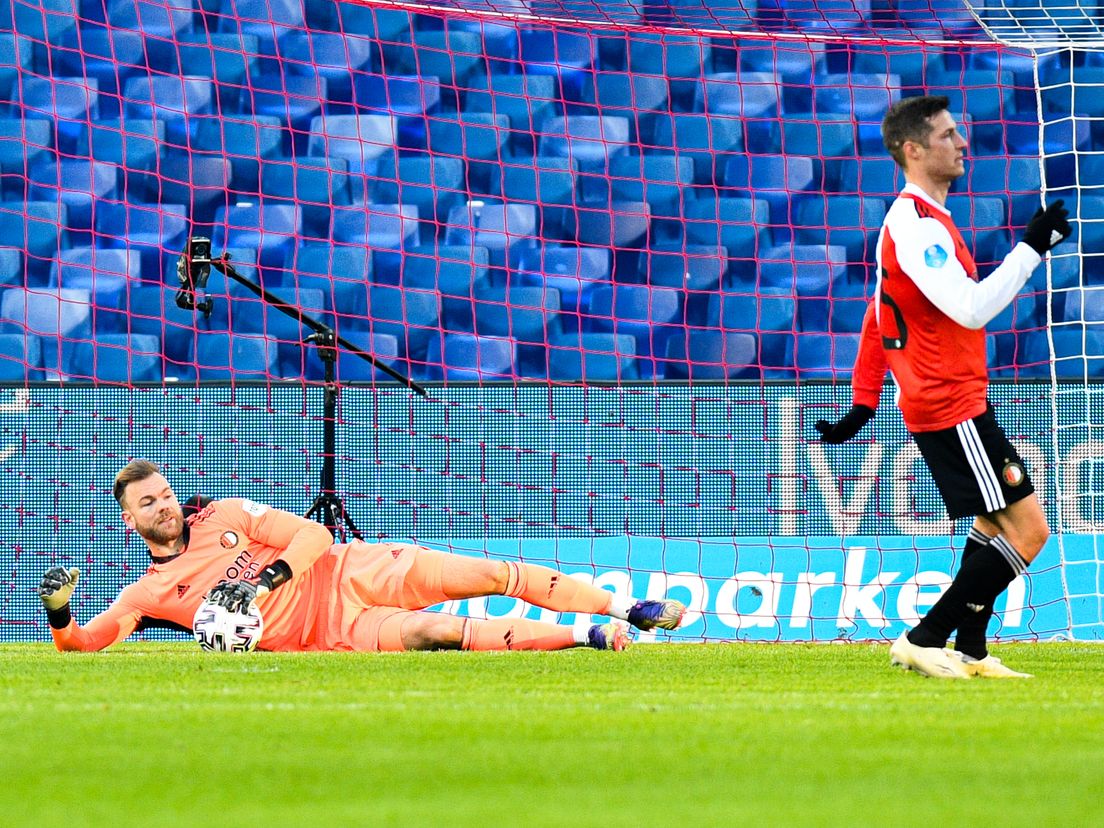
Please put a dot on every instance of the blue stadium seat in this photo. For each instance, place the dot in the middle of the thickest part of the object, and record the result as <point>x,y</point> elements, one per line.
<point>295,357</point>
<point>399,95</point>
<point>246,141</point>
<point>712,355</point>
<point>866,97</point>
<point>360,139</point>
<point>16,59</point>
<point>504,229</point>
<point>459,356</point>
<point>297,100</point>
<point>706,14</point>
<point>313,183</point>
<point>639,98</point>
<point>24,144</point>
<point>157,232</point>
<point>779,180</point>
<point>70,102</point>
<point>750,95</point>
<point>132,144</point>
<point>1083,305</point>
<point>181,101</point>
<point>695,268</point>
<point>902,59</point>
<point>567,54</point>
<point>234,356</point>
<point>267,20</point>
<point>110,55</point>
<point>620,225</point>
<point>270,229</point>
<point>738,224</point>
<point>43,21</point>
<point>771,314</point>
<point>527,100</point>
<point>825,355</point>
<point>41,225</point>
<point>593,357</point>
<point>151,309</point>
<point>386,229</point>
<point>104,273</point>
<point>228,58</point>
<point>797,62</point>
<point>851,222</point>
<point>479,139</point>
<point>432,183</point>
<point>658,179</point>
<point>454,56</point>
<point>651,315</point>
<point>201,182</point>
<point>984,226</point>
<point>708,140</point>
<point>330,55</point>
<point>113,358</point>
<point>20,358</point>
<point>590,139</point>
<point>1016,179</point>
<point>411,316</point>
<point>453,271</point>
<point>869,177</point>
<point>826,137</point>
<point>78,183</point>
<point>352,368</point>
<point>164,20</point>
<point>50,314</point>
<point>1076,354</point>
<point>11,268</point>
<point>671,55</point>
<point>548,183</point>
<point>528,315</point>
<point>573,271</point>
<point>341,272</point>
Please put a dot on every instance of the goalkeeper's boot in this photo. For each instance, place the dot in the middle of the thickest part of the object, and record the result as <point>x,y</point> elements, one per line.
<point>989,667</point>
<point>612,636</point>
<point>647,615</point>
<point>936,662</point>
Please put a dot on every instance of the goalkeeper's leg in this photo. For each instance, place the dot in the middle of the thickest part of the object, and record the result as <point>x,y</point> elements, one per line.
<point>439,631</point>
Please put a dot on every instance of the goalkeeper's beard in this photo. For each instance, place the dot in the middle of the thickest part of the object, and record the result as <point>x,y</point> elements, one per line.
<point>160,531</point>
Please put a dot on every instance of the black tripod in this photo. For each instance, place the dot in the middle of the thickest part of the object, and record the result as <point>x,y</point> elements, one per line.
<point>193,270</point>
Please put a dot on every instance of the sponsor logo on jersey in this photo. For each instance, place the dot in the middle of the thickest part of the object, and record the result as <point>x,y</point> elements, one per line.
<point>228,540</point>
<point>181,589</point>
<point>935,256</point>
<point>253,508</point>
<point>1013,474</point>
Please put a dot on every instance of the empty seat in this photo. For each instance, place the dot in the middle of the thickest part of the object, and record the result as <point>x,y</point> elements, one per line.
<point>297,100</point>
<point>110,55</point>
<point>779,180</point>
<point>314,184</point>
<point>411,316</point>
<point>573,271</point>
<point>432,184</point>
<point>851,222</point>
<point>548,183</point>
<point>50,314</point>
<point>341,272</point>
<point>132,144</point>
<point>668,54</point>
<point>398,95</point>
<point>20,358</point>
<point>454,56</point>
<point>870,177</point>
<point>200,182</point>
<point>589,139</point>
<point>504,229</point>
<point>246,141</point>
<point>568,54</point>
<point>270,229</point>
<point>360,139</point>
<point>593,357</point>
<point>267,20</point>
<point>646,313</point>
<point>711,355</point>
<point>658,179</point>
<point>330,55</point>
<point>228,58</point>
<point>385,229</point>
<point>104,273</point>
<point>708,140</point>
<point>621,225</point>
<point>530,316</point>
<point>983,224</point>
<point>451,270</point>
<point>113,358</point>
<point>1017,179</point>
<point>157,232</point>
<point>70,102</point>
<point>825,355</point>
<point>78,183</point>
<point>234,356</point>
<point>351,367</point>
<point>753,95</point>
<point>181,101</point>
<point>17,55</point>
<point>637,97</point>
<point>738,224</point>
<point>39,227</point>
<point>864,97</point>
<point>24,144</point>
<point>163,20</point>
<point>11,267</point>
<point>458,356</point>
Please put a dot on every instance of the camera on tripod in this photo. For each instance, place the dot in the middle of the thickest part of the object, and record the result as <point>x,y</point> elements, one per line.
<point>193,270</point>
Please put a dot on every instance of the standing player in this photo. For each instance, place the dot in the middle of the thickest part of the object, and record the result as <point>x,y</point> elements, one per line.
<point>318,595</point>
<point>926,324</point>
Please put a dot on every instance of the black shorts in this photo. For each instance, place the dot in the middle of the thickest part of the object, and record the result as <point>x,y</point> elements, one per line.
<point>976,468</point>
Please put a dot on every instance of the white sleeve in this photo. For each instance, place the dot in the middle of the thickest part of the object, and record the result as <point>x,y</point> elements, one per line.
<point>928,258</point>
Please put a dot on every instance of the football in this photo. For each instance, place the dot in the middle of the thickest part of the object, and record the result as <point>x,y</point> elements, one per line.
<point>218,630</point>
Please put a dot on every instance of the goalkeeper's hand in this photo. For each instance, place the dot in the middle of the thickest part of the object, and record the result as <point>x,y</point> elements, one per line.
<point>1048,227</point>
<point>236,596</point>
<point>847,427</point>
<point>57,587</point>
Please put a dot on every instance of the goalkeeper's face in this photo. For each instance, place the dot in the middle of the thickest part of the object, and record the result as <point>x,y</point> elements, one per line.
<point>152,510</point>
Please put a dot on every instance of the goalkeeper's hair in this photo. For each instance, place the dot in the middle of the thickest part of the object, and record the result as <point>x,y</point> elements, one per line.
<point>910,120</point>
<point>133,472</point>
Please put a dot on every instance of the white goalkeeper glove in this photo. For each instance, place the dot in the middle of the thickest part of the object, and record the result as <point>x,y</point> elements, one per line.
<point>57,587</point>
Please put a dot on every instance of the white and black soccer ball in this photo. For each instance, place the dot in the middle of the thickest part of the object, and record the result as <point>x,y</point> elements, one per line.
<point>218,630</point>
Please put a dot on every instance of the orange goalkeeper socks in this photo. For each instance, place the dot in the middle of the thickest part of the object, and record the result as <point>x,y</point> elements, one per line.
<point>544,587</point>
<point>515,634</point>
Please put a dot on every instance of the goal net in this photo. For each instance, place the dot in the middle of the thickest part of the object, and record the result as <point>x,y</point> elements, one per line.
<point>624,248</point>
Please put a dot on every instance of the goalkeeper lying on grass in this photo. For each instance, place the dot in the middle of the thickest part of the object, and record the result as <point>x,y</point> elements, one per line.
<point>318,595</point>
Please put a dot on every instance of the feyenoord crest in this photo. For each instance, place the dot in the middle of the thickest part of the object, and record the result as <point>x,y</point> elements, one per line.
<point>1013,474</point>
<point>229,540</point>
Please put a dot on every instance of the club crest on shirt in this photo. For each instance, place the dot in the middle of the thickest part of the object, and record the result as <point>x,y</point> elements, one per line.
<point>935,256</point>
<point>228,540</point>
<point>1013,474</point>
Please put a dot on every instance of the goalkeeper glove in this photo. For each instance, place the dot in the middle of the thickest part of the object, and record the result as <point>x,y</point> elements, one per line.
<point>847,427</point>
<point>1047,227</point>
<point>57,586</point>
<point>236,596</point>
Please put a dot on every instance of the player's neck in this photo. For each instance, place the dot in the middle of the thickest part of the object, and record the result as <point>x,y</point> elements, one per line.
<point>934,189</point>
<point>162,552</point>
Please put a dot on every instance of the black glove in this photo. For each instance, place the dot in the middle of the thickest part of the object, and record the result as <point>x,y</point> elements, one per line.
<point>847,427</point>
<point>1047,227</point>
<point>236,596</point>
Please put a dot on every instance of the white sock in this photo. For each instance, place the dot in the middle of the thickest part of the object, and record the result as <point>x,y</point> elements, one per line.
<point>620,606</point>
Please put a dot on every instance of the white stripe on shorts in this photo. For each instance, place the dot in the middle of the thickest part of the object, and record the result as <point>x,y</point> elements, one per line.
<point>983,471</point>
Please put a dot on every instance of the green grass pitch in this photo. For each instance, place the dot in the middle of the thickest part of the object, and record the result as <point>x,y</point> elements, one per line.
<point>158,734</point>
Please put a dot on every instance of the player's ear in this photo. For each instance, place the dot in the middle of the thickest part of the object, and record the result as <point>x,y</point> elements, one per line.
<point>128,519</point>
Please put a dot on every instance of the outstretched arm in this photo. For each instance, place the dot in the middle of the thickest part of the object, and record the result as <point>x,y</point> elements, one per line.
<point>109,627</point>
<point>867,380</point>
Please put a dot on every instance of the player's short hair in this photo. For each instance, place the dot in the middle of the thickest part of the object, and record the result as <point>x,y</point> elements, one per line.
<point>133,472</point>
<point>910,120</point>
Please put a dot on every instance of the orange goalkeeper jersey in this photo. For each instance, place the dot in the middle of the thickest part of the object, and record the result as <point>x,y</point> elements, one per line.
<point>228,540</point>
